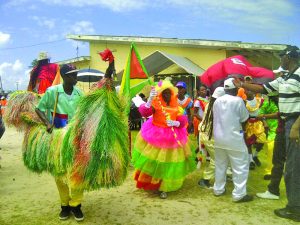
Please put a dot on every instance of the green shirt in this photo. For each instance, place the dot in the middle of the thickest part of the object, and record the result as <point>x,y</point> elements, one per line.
<point>67,104</point>
<point>269,107</point>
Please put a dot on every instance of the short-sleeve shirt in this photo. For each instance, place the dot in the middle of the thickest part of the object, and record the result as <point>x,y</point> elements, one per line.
<point>67,104</point>
<point>288,88</point>
<point>269,107</point>
<point>200,103</point>
<point>229,114</point>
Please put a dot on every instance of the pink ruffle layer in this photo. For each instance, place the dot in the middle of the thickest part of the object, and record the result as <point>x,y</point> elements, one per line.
<point>162,137</point>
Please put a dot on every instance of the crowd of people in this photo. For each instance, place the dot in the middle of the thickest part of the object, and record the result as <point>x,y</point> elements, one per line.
<point>231,129</point>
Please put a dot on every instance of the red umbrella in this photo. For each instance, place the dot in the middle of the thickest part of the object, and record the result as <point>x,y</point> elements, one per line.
<point>215,75</point>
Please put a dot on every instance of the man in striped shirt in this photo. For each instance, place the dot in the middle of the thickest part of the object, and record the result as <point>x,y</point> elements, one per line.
<point>288,89</point>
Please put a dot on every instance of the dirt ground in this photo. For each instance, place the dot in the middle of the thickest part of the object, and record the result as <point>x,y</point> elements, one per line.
<point>28,198</point>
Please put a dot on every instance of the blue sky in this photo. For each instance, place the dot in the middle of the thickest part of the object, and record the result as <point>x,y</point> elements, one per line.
<point>30,26</point>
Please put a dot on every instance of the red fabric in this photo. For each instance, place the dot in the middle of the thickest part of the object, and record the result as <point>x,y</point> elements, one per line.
<point>136,70</point>
<point>251,140</point>
<point>214,75</point>
<point>43,85</point>
<point>143,181</point>
<point>48,72</point>
<point>61,116</point>
<point>257,72</point>
<point>107,55</point>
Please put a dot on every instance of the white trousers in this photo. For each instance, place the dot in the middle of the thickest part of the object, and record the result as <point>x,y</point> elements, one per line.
<point>240,169</point>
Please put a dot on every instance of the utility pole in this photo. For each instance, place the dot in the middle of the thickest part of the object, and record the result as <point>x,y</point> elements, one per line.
<point>77,51</point>
<point>17,83</point>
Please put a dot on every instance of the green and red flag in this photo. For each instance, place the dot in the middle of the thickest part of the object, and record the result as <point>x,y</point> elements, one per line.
<point>134,70</point>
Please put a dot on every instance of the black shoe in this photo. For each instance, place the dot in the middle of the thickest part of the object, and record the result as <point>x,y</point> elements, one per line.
<point>204,184</point>
<point>257,161</point>
<point>285,213</point>
<point>64,213</point>
<point>252,166</point>
<point>77,213</point>
<point>246,198</point>
<point>267,177</point>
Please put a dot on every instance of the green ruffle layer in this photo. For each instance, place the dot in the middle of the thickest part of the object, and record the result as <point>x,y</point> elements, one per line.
<point>163,170</point>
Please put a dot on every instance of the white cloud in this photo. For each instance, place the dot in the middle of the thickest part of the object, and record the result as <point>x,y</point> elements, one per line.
<point>4,38</point>
<point>115,5</point>
<point>83,27</point>
<point>44,22</point>
<point>13,74</point>
<point>264,15</point>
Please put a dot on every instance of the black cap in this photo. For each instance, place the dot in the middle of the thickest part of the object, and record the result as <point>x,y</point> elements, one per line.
<point>291,51</point>
<point>68,69</point>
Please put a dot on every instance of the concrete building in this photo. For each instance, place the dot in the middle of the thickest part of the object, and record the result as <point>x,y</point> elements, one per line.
<point>183,58</point>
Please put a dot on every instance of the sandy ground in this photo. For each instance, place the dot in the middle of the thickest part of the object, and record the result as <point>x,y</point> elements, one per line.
<point>28,198</point>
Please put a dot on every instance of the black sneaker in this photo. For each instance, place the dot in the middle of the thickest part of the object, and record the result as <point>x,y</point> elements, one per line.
<point>285,213</point>
<point>204,184</point>
<point>64,213</point>
<point>257,161</point>
<point>77,213</point>
<point>246,198</point>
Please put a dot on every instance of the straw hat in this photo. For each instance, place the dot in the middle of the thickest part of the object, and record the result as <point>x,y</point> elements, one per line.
<point>42,56</point>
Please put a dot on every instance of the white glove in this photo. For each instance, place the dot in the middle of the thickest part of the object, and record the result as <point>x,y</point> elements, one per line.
<point>138,101</point>
<point>173,123</point>
<point>153,94</point>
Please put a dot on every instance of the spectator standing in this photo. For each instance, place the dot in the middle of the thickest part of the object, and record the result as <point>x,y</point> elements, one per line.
<point>229,113</point>
<point>288,89</point>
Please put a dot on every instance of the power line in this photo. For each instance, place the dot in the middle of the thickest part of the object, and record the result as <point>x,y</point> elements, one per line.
<point>28,46</point>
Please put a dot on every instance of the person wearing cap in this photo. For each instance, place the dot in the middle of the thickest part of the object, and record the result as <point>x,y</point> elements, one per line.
<point>230,113</point>
<point>288,89</point>
<point>278,158</point>
<point>61,101</point>
<point>43,75</point>
<point>162,157</point>
<point>206,138</point>
<point>184,101</point>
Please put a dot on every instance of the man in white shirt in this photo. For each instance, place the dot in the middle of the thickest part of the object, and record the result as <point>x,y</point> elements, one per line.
<point>229,113</point>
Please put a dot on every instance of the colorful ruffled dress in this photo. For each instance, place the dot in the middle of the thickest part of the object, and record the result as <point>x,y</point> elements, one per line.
<point>161,155</point>
<point>255,131</point>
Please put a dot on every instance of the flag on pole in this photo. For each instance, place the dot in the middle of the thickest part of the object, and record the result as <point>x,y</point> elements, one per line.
<point>134,69</point>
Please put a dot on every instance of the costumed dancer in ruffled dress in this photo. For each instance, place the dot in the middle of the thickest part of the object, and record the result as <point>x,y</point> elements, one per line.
<point>161,156</point>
